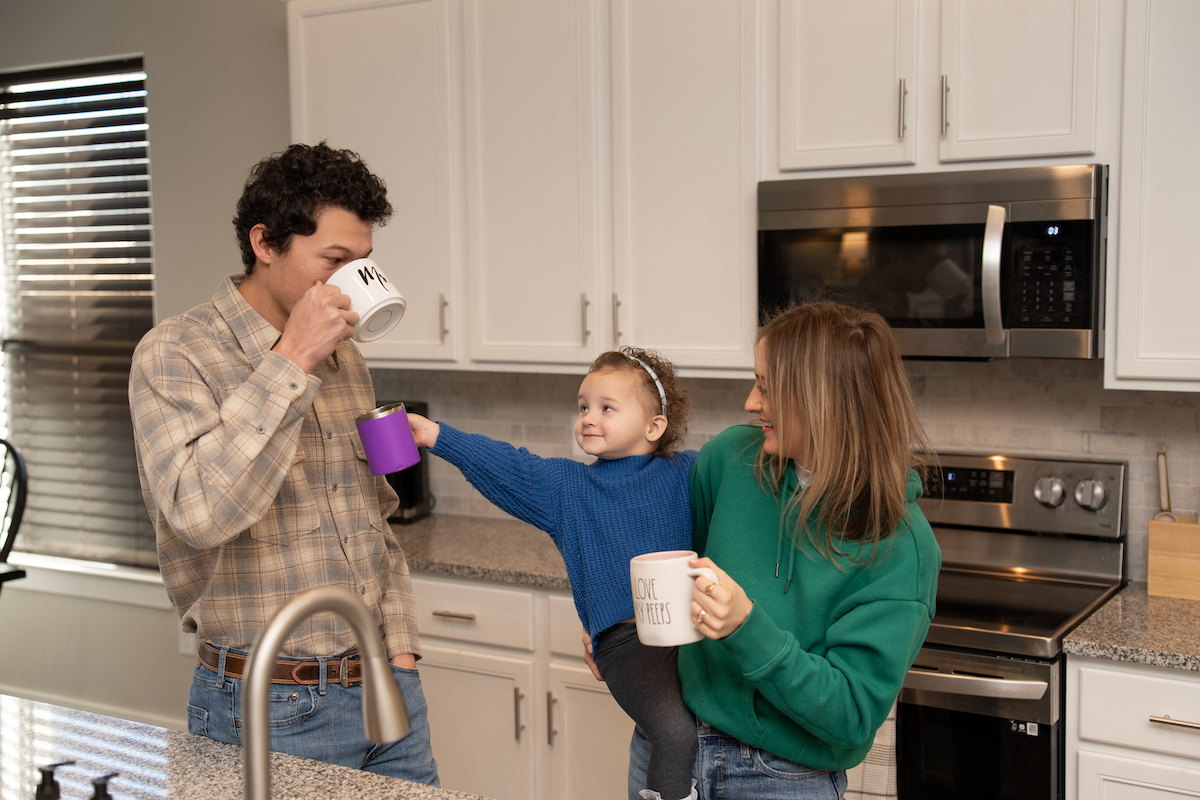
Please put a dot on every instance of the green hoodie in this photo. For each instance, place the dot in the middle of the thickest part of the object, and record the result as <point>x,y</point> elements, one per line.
<point>812,672</point>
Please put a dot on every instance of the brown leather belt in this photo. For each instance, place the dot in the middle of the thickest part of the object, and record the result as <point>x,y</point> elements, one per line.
<point>345,670</point>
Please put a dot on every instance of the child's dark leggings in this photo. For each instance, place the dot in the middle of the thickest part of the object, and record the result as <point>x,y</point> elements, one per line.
<point>645,682</point>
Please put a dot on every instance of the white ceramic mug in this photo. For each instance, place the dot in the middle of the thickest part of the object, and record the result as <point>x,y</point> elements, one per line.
<point>662,585</point>
<point>377,302</point>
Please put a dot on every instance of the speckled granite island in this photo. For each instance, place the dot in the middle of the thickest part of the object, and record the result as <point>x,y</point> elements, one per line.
<point>1137,628</point>
<point>155,763</point>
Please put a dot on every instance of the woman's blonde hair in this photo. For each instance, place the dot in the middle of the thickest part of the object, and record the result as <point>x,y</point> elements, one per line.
<point>833,372</point>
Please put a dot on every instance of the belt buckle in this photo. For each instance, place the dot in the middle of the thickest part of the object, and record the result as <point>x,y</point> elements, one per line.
<point>344,672</point>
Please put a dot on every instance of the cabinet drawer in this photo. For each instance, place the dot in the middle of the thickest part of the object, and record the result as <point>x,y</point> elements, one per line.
<point>1116,707</point>
<point>469,612</point>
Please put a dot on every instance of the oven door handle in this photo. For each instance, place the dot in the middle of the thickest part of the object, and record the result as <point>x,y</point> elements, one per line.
<point>975,686</point>
<point>993,235</point>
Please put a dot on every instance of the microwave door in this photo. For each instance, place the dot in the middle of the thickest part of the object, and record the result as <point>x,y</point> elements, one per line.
<point>928,280</point>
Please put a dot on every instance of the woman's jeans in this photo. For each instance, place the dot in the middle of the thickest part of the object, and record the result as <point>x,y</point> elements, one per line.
<point>727,769</point>
<point>321,722</point>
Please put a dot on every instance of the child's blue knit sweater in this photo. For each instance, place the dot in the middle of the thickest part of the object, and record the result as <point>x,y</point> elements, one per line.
<point>600,514</point>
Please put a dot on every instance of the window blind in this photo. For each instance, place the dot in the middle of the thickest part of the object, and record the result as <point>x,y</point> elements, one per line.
<point>78,288</point>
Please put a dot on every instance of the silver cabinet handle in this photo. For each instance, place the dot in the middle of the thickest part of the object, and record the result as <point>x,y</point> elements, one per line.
<point>443,302</point>
<point>903,96</point>
<point>616,321</point>
<point>976,687</point>
<point>550,729</point>
<point>1165,719</point>
<point>459,615</point>
<point>993,234</point>
<point>583,307</point>
<point>517,725</point>
<point>945,105</point>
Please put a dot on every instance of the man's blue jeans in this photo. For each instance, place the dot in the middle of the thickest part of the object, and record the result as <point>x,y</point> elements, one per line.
<point>727,769</point>
<point>323,723</point>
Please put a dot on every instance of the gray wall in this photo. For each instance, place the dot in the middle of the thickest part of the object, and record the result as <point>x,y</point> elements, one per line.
<point>218,99</point>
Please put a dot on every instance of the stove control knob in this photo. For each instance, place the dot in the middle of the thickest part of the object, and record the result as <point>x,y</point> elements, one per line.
<point>1050,492</point>
<point>1091,494</point>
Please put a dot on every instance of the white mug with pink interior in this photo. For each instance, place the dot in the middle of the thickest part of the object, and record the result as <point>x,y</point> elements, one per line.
<point>662,586</point>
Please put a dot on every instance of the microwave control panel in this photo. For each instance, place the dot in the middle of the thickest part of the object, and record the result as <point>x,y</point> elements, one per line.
<point>1050,282</point>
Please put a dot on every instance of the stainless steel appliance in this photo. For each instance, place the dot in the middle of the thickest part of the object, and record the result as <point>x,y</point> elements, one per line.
<point>412,484</point>
<point>977,264</point>
<point>1030,548</point>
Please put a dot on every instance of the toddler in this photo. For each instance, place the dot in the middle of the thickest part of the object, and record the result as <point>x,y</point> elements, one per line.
<point>632,499</point>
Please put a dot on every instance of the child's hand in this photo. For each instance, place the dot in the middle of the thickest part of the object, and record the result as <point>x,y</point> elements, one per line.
<point>587,656</point>
<point>425,433</point>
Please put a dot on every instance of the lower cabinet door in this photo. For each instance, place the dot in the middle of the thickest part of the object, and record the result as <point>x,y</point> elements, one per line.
<point>479,720</point>
<point>587,736</point>
<point>1106,777</point>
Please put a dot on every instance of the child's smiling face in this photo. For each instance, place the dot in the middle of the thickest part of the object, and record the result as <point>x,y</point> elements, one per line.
<point>613,422</point>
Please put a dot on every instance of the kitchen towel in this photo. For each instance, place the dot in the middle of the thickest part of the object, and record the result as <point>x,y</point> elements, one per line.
<point>875,778</point>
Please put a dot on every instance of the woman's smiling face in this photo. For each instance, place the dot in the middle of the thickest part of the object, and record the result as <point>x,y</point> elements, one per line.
<point>758,404</point>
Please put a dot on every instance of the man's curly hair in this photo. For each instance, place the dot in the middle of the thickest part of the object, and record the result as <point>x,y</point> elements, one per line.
<point>285,193</point>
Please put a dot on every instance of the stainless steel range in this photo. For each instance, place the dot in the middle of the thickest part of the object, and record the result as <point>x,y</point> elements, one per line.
<point>1030,548</point>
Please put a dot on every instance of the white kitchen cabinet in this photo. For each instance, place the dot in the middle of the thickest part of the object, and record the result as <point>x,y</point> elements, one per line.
<point>847,83</point>
<point>533,167</point>
<point>685,170</point>
<point>1115,748</point>
<point>1018,78</point>
<point>569,175</point>
<point>1157,343</point>
<point>378,77</point>
<point>513,710</point>
<point>588,736</point>
<point>479,709</point>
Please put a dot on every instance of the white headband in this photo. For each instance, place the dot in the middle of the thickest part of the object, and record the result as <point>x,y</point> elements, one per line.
<point>662,396</point>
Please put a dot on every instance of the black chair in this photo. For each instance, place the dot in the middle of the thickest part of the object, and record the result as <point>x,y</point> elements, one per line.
<point>14,487</point>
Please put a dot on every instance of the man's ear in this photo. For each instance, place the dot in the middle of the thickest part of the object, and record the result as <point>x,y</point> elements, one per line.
<point>258,242</point>
<point>656,428</point>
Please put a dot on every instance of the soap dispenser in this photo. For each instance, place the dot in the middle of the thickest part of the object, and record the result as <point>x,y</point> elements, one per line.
<point>48,788</point>
<point>100,787</point>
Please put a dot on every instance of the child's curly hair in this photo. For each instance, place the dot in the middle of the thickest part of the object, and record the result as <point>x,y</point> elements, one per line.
<point>679,402</point>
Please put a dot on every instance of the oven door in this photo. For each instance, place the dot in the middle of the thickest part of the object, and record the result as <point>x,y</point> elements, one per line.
<point>980,726</point>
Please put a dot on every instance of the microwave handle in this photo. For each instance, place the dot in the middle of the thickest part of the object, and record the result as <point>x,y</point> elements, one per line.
<point>993,234</point>
<point>975,686</point>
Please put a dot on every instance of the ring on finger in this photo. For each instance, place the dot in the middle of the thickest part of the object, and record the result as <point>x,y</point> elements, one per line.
<point>708,589</point>
<point>701,615</point>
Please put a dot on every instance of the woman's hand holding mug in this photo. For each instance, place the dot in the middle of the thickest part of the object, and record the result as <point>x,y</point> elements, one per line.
<point>718,608</point>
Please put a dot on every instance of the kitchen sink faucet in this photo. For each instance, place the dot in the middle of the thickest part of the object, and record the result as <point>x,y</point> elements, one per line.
<point>385,718</point>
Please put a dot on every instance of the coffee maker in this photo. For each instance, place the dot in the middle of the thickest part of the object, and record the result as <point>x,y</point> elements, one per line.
<point>412,484</point>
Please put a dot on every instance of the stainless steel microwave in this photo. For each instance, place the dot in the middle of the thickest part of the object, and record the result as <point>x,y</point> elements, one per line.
<point>976,264</point>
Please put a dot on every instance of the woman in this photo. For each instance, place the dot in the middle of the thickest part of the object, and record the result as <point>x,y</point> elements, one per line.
<point>828,570</point>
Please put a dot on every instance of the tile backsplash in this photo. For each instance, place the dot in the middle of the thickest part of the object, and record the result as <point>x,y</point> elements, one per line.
<point>1039,407</point>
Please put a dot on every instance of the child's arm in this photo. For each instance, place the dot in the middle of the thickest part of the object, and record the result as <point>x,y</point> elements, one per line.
<point>517,481</point>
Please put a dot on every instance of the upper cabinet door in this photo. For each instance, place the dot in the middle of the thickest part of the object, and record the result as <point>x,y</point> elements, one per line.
<point>1157,284</point>
<point>375,77</point>
<point>534,249</point>
<point>1018,78</point>
<point>848,83</point>
<point>685,130</point>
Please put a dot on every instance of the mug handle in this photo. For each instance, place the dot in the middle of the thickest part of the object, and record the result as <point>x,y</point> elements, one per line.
<point>695,572</point>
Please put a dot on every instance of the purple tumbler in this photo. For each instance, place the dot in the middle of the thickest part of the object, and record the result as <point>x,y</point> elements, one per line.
<point>387,439</point>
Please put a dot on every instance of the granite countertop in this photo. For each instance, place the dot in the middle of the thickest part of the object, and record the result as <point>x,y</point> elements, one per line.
<point>503,550</point>
<point>155,763</point>
<point>1136,627</point>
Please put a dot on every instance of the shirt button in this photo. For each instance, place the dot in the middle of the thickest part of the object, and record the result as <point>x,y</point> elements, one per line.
<point>294,385</point>
<point>261,429</point>
<point>364,590</point>
<point>335,487</point>
<point>329,435</point>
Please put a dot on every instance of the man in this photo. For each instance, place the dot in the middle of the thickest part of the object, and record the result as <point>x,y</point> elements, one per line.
<point>254,476</point>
